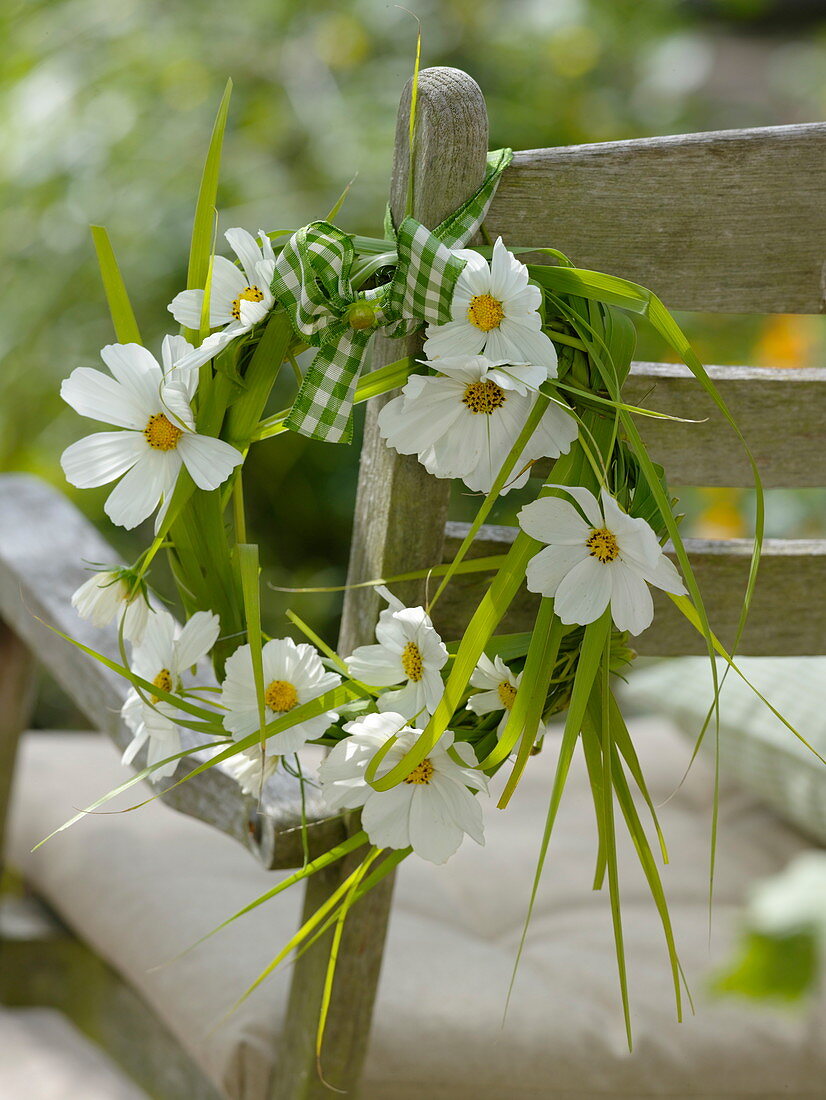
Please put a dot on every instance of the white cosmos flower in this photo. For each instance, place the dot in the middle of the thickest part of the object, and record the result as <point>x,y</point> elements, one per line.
<point>430,811</point>
<point>409,652</point>
<point>499,687</point>
<point>464,422</point>
<point>239,297</point>
<point>608,557</point>
<point>162,658</point>
<point>250,771</point>
<point>153,405</point>
<point>109,595</point>
<point>293,674</point>
<point>495,311</point>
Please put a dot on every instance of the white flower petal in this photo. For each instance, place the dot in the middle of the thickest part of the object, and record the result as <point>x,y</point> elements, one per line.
<point>410,426</point>
<point>187,307</point>
<point>518,342</point>
<point>554,435</point>
<point>433,835</point>
<point>385,817</point>
<point>507,274</point>
<point>547,569</point>
<point>245,247</point>
<point>371,664</point>
<point>664,575</point>
<point>475,275</point>
<point>632,608</point>
<point>453,339</point>
<point>554,521</point>
<point>227,283</point>
<point>586,501</point>
<point>408,701</point>
<point>139,492</point>
<point>138,371</point>
<point>209,461</point>
<point>584,592</point>
<point>100,397</point>
<point>156,650</point>
<point>485,702</point>
<point>465,809</point>
<point>100,458</point>
<point>196,639</point>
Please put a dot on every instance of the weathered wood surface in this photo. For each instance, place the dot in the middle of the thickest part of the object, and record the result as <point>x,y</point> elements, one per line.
<point>788,612</point>
<point>781,413</point>
<point>732,221</point>
<point>16,697</point>
<point>41,963</point>
<point>399,525</point>
<point>44,543</point>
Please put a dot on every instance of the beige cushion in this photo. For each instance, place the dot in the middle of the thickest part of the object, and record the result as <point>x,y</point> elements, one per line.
<point>756,748</point>
<point>141,886</point>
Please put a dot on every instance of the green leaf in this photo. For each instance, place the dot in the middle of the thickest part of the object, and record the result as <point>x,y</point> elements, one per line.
<point>777,968</point>
<point>200,250</point>
<point>120,308</point>
<point>593,644</point>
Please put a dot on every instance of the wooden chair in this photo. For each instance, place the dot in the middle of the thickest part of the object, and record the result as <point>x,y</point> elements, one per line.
<point>729,221</point>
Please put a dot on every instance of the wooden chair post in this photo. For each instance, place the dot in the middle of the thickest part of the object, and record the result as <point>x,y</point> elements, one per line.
<point>16,698</point>
<point>399,526</point>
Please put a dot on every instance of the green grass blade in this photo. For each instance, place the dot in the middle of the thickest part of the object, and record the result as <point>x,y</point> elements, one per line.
<point>593,644</point>
<point>602,686</point>
<point>117,297</point>
<point>249,569</point>
<point>529,703</point>
<point>341,917</point>
<point>200,249</point>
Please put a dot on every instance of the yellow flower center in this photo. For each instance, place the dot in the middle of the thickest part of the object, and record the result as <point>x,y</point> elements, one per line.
<point>483,397</point>
<point>485,312</point>
<point>412,662</point>
<point>422,773</point>
<point>161,433</point>
<point>281,696</point>
<point>507,694</point>
<point>248,294</point>
<point>602,545</point>
<point>163,681</point>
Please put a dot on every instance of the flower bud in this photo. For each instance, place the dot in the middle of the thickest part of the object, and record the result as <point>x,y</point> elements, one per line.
<point>361,315</point>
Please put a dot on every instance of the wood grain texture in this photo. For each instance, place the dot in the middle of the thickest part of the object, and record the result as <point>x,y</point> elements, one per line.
<point>399,525</point>
<point>44,543</point>
<point>16,698</point>
<point>401,509</point>
<point>788,615</point>
<point>781,413</point>
<point>732,221</point>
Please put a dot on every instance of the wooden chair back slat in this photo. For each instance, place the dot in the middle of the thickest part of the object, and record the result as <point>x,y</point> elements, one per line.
<point>785,619</point>
<point>732,221</point>
<point>781,413</point>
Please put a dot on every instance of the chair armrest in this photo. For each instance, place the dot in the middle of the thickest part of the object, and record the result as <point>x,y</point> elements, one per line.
<point>45,547</point>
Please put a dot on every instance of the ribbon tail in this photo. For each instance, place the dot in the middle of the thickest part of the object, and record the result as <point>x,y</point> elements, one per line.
<point>323,408</point>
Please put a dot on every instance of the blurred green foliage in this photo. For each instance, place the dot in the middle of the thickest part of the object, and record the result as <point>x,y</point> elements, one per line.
<point>105,113</point>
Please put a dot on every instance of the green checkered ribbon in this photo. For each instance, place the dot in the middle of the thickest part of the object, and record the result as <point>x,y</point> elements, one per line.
<point>313,281</point>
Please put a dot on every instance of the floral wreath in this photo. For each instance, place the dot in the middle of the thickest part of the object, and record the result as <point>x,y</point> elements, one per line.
<point>521,362</point>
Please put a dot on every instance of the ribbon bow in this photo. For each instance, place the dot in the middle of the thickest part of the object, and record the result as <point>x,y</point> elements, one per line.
<point>313,282</point>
